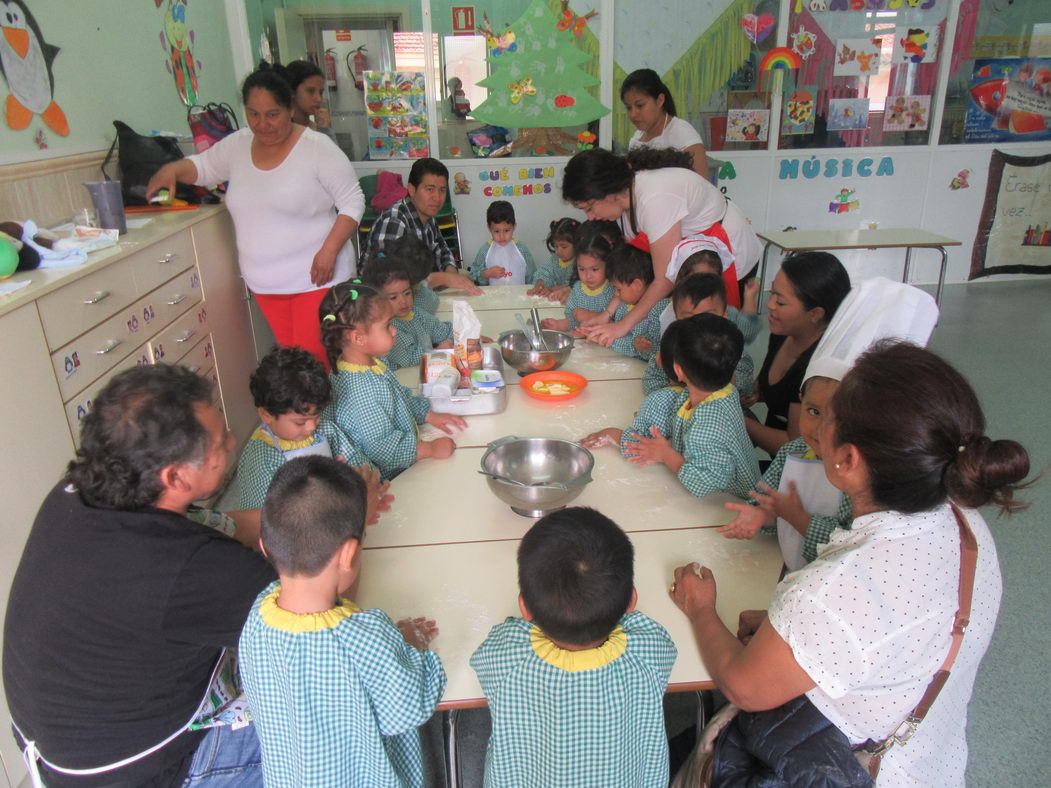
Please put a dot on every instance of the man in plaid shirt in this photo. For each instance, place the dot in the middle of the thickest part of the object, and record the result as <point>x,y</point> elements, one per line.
<point>428,187</point>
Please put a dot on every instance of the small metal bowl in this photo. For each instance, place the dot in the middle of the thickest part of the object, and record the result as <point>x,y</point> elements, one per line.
<point>535,476</point>
<point>518,353</point>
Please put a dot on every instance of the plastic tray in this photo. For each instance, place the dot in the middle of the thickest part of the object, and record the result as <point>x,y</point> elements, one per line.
<point>464,402</point>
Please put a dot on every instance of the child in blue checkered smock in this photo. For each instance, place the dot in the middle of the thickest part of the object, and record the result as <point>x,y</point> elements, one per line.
<point>708,447</point>
<point>418,331</point>
<point>555,279</point>
<point>575,686</point>
<point>337,693</point>
<point>694,295</point>
<point>631,272</point>
<point>379,414</point>
<point>409,252</point>
<point>290,389</point>
<point>591,297</point>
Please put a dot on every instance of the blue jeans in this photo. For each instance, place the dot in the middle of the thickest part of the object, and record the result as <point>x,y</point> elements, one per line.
<point>227,758</point>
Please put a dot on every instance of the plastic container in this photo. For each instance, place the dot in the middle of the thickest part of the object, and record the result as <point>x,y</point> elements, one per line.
<point>490,398</point>
<point>109,204</point>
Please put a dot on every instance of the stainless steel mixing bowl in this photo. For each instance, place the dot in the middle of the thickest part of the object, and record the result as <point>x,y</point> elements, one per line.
<point>518,353</point>
<point>535,476</point>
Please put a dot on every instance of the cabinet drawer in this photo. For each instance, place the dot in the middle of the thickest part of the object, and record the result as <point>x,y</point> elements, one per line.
<point>161,261</point>
<point>201,357</point>
<point>170,302</point>
<point>174,342</point>
<point>79,407</point>
<point>74,309</point>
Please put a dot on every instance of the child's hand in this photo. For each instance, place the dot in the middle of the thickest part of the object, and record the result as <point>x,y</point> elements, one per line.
<point>444,345</point>
<point>576,332</point>
<point>446,422</point>
<point>751,399</point>
<point>747,523</point>
<point>418,632</point>
<point>554,324</point>
<point>643,345</point>
<point>495,272</point>
<point>588,318</point>
<point>487,340</point>
<point>539,289</point>
<point>438,449</point>
<point>751,296</point>
<point>560,294</point>
<point>787,505</point>
<point>607,437</point>
<point>377,498</point>
<point>646,450</point>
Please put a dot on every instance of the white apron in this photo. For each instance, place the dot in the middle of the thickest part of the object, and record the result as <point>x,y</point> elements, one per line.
<point>511,260</point>
<point>818,497</point>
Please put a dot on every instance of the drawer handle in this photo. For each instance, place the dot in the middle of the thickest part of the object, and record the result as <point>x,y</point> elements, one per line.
<point>112,345</point>
<point>168,258</point>
<point>186,335</point>
<point>100,295</point>
<point>176,300</point>
<point>195,369</point>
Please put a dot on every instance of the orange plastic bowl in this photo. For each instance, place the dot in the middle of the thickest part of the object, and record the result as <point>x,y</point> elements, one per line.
<point>576,382</point>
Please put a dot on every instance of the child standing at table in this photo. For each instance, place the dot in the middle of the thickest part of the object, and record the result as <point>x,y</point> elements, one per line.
<point>631,272</point>
<point>592,294</point>
<point>379,414</point>
<point>708,448</point>
<point>575,685</point>
<point>502,260</point>
<point>418,331</point>
<point>291,390</point>
<point>336,692</point>
<point>555,279</point>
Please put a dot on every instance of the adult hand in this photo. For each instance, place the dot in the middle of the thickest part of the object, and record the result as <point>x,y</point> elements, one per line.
<point>322,267</point>
<point>693,589</point>
<point>377,498</point>
<point>418,632</point>
<point>587,318</point>
<point>164,178</point>
<point>748,624</point>
<point>751,399</point>
<point>607,334</point>
<point>323,118</point>
<point>461,282</point>
<point>445,421</point>
<point>747,523</point>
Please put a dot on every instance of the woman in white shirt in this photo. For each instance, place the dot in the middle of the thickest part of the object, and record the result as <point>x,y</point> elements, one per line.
<point>651,108</point>
<point>295,202</point>
<point>862,630</point>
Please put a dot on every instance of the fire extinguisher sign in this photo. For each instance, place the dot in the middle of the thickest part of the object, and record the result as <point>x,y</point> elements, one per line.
<point>343,35</point>
<point>463,20</point>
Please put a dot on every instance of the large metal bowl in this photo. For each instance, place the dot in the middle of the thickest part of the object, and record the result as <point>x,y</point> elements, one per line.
<point>535,476</point>
<point>518,353</point>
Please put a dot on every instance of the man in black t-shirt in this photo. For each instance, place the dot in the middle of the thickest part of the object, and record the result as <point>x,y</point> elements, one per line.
<point>121,606</point>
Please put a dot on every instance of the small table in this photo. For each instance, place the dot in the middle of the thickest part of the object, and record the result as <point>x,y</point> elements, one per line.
<point>906,238</point>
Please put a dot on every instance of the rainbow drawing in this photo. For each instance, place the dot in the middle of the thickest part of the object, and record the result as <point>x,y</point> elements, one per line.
<point>779,58</point>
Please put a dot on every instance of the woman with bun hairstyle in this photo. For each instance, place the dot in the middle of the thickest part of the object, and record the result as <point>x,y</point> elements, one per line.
<point>862,630</point>
<point>651,109</point>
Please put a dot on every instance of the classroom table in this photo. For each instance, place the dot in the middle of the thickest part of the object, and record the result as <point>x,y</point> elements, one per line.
<point>906,238</point>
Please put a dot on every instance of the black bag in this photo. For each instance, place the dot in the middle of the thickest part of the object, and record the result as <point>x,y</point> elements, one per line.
<point>138,158</point>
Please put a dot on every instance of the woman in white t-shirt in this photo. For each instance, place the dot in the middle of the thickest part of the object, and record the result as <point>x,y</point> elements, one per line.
<point>651,109</point>
<point>295,202</point>
<point>658,201</point>
<point>862,630</point>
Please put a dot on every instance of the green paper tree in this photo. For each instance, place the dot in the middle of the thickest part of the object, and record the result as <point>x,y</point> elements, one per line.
<point>538,88</point>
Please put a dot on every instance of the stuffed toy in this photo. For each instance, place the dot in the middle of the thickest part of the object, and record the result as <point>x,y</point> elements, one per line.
<point>27,257</point>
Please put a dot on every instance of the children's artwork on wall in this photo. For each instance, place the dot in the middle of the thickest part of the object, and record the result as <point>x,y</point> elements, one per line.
<point>778,59</point>
<point>799,113</point>
<point>804,43</point>
<point>744,77</point>
<point>758,26</point>
<point>848,114</point>
<point>397,114</point>
<point>177,42</point>
<point>907,113</point>
<point>460,184</point>
<point>856,57</point>
<point>747,125</point>
<point>1010,101</point>
<point>26,64</point>
<point>915,44</point>
<point>959,181</point>
<point>844,202</point>
<point>1014,232</point>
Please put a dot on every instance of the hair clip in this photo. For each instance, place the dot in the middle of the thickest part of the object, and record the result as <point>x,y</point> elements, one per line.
<point>328,319</point>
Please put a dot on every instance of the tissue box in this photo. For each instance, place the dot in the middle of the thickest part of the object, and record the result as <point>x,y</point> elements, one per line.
<point>465,402</point>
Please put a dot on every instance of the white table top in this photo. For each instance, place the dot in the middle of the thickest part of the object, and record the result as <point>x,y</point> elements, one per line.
<point>888,238</point>
<point>467,588</point>
<point>505,297</point>
<point>496,321</point>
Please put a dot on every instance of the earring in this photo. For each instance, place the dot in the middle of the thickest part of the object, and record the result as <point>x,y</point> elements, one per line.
<point>837,466</point>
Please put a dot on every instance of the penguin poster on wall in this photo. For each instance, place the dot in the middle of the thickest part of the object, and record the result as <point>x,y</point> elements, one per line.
<point>25,62</point>
<point>177,41</point>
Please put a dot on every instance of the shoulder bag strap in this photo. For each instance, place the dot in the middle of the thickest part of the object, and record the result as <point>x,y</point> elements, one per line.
<point>968,567</point>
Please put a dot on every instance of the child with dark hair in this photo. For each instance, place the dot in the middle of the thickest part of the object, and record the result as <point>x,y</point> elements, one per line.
<point>418,331</point>
<point>313,662</point>
<point>631,272</point>
<point>502,260</point>
<point>581,675</point>
<point>291,390</point>
<point>379,414</point>
<point>555,279</point>
<point>412,254</point>
<point>698,294</point>
<point>591,295</point>
<point>708,447</point>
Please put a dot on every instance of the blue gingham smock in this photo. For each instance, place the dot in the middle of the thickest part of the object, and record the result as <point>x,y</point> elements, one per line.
<point>337,696</point>
<point>423,297</point>
<point>649,327</point>
<point>657,410</point>
<point>555,273</point>
<point>581,297</point>
<point>576,718</point>
<point>378,414</point>
<point>418,332</point>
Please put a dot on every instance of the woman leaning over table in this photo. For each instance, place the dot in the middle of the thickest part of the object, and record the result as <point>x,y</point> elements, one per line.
<point>862,630</point>
<point>295,202</point>
<point>658,201</point>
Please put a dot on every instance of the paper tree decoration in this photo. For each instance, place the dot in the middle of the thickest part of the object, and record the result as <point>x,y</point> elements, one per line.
<point>539,87</point>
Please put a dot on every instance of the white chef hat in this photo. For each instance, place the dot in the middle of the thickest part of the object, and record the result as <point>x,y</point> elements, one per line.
<point>874,309</point>
<point>698,243</point>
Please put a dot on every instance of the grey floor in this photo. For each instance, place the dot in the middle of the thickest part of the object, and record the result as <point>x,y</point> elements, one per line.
<point>998,335</point>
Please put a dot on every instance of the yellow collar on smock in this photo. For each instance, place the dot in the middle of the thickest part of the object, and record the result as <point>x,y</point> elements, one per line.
<point>588,291</point>
<point>577,661</point>
<point>409,316</point>
<point>809,454</point>
<point>266,437</point>
<point>287,621</point>
<point>566,263</point>
<point>686,411</point>
<point>377,367</point>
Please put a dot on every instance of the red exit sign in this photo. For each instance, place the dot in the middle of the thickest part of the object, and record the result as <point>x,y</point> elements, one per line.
<point>463,20</point>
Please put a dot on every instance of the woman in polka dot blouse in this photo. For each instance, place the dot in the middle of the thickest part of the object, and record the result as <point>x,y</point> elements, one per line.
<point>862,630</point>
